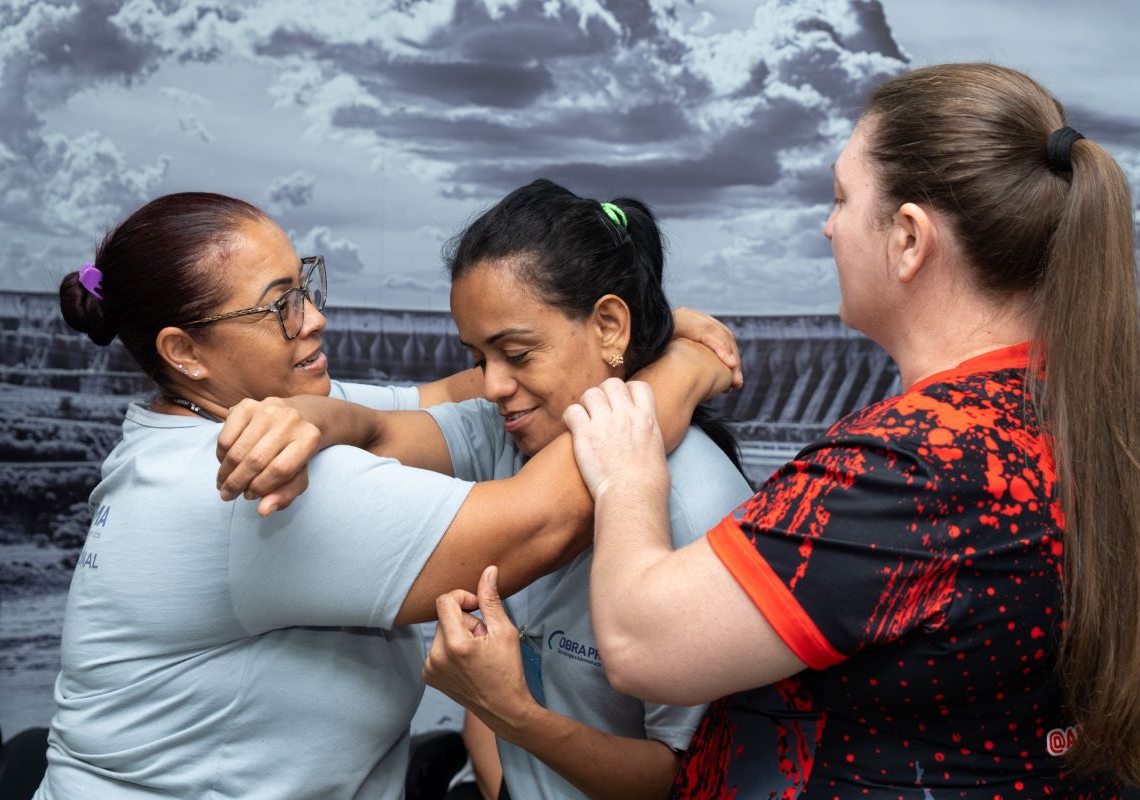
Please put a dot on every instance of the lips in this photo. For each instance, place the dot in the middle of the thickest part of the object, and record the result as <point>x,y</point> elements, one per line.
<point>513,420</point>
<point>316,361</point>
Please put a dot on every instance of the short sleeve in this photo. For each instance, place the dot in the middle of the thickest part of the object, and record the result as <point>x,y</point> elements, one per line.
<point>672,725</point>
<point>378,398</point>
<point>347,551</point>
<point>480,449</point>
<point>846,546</point>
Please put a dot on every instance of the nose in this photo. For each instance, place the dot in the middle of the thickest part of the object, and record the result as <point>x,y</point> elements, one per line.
<point>314,320</point>
<point>827,229</point>
<point>498,383</point>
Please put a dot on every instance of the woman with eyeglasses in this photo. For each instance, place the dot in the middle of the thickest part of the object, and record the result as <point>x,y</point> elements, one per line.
<point>211,651</point>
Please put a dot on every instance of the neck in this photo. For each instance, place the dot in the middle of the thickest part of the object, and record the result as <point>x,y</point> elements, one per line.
<point>188,404</point>
<point>940,339</point>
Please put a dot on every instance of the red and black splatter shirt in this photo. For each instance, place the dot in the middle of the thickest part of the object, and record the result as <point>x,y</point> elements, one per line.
<point>912,559</point>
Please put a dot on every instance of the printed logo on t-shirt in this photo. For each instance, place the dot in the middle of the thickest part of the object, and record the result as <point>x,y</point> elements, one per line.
<point>99,520</point>
<point>565,646</point>
<point>1060,740</point>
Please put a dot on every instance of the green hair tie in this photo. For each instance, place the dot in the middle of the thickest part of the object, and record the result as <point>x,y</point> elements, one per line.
<point>616,214</point>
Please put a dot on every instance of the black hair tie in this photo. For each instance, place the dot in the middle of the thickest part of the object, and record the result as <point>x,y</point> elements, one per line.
<point>1058,149</point>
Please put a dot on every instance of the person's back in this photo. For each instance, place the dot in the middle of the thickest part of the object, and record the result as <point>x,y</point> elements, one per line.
<point>940,670</point>
<point>174,682</point>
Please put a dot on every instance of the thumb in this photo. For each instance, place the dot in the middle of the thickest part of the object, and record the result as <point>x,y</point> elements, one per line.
<point>490,604</point>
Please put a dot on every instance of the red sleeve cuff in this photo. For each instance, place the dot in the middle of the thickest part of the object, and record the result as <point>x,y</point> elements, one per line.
<point>760,582</point>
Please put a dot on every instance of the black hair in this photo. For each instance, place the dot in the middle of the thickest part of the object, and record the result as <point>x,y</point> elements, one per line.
<point>571,252</point>
<point>159,267</point>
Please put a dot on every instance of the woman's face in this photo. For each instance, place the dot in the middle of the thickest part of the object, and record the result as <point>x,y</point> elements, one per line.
<point>248,356</point>
<point>858,238</point>
<point>536,361</point>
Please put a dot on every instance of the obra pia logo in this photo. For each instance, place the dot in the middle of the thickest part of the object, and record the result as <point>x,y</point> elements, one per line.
<point>564,646</point>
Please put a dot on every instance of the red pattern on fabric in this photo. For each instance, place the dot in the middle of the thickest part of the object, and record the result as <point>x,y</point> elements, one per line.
<point>919,545</point>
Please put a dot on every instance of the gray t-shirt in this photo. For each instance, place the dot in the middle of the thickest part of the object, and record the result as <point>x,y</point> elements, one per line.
<point>555,609</point>
<point>207,651</point>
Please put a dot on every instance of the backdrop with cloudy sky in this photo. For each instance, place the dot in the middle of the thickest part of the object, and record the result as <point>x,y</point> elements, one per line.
<point>373,130</point>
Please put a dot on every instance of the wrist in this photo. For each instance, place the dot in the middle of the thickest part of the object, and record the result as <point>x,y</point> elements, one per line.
<point>517,721</point>
<point>635,488</point>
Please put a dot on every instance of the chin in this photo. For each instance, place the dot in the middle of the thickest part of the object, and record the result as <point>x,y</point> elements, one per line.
<point>318,384</point>
<point>529,445</point>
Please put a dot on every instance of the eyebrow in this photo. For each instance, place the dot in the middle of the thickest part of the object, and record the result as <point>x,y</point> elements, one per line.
<point>270,285</point>
<point>496,336</point>
<point>835,174</point>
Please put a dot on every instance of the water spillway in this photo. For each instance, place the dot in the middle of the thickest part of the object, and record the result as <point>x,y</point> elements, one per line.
<point>801,372</point>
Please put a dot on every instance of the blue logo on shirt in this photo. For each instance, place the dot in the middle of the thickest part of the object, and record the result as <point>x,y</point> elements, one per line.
<point>587,654</point>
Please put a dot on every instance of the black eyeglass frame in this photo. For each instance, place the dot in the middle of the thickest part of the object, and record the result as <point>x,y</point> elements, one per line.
<point>309,265</point>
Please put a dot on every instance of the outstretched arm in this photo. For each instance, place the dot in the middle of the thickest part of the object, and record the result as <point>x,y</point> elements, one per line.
<point>536,521</point>
<point>477,663</point>
<point>265,446</point>
<point>637,577</point>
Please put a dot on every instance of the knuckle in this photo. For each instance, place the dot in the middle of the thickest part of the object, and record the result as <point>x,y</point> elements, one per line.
<point>257,460</point>
<point>277,471</point>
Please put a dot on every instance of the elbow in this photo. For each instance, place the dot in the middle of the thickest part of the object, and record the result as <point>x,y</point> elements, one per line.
<point>622,665</point>
<point>638,666</point>
<point>630,666</point>
<point>561,542</point>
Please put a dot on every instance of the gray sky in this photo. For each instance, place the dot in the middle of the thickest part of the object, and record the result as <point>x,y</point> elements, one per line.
<point>373,130</point>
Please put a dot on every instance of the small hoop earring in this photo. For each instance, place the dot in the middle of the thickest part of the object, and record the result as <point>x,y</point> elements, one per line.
<point>616,360</point>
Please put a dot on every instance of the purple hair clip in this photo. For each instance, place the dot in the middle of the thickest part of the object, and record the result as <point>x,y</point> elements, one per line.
<point>92,279</point>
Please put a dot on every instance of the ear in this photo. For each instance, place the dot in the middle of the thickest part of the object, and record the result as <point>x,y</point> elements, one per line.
<point>180,352</point>
<point>911,241</point>
<point>610,322</point>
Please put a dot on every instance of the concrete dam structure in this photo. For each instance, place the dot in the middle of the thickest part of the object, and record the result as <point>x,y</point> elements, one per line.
<point>801,372</point>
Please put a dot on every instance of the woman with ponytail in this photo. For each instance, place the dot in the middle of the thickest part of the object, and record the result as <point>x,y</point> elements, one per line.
<point>553,293</point>
<point>948,583</point>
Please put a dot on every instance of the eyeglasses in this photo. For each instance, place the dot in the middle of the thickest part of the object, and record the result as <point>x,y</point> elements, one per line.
<point>290,306</point>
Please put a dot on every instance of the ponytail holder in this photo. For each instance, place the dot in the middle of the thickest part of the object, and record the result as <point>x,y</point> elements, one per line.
<point>91,279</point>
<point>616,214</point>
<point>1058,149</point>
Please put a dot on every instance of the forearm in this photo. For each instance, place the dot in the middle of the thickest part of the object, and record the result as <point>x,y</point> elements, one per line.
<point>411,437</point>
<point>455,388</point>
<point>484,755</point>
<point>339,421</point>
<point>599,764</point>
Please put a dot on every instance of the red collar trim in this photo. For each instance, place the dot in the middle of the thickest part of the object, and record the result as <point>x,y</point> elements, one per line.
<point>1015,356</point>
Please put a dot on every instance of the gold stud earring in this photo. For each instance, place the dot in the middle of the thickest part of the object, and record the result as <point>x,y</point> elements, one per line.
<point>616,360</point>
